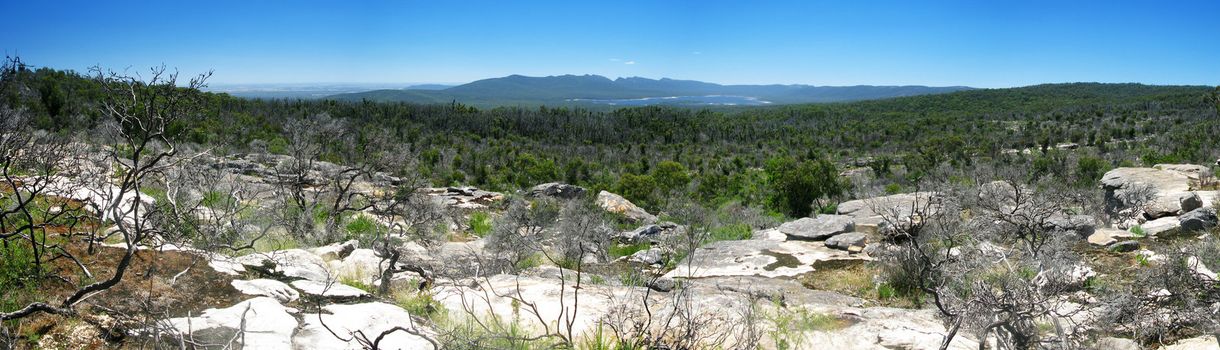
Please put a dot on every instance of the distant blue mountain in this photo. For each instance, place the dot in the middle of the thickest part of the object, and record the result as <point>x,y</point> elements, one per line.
<point>583,89</point>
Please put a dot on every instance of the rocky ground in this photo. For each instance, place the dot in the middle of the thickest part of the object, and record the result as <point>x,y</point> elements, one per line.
<point>806,283</point>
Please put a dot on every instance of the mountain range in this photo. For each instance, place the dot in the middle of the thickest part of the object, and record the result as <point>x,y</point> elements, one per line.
<point>596,89</point>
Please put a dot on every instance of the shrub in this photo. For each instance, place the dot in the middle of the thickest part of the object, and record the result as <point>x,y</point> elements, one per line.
<point>480,223</point>
<point>360,228</point>
<point>621,250</point>
<point>419,303</point>
<point>734,232</point>
<point>1138,231</point>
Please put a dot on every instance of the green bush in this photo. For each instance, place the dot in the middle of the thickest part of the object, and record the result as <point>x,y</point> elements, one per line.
<point>621,250</point>
<point>480,223</point>
<point>734,232</point>
<point>361,227</point>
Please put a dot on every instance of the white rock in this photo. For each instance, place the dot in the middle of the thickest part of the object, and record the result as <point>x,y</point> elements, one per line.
<point>1199,343</point>
<point>337,250</point>
<point>754,258</point>
<point>771,234</point>
<point>334,290</point>
<point>267,324</point>
<point>297,263</point>
<point>617,204</point>
<point>1165,225</point>
<point>818,227</point>
<point>1192,171</point>
<point>269,288</point>
<point>361,265</point>
<point>369,319</point>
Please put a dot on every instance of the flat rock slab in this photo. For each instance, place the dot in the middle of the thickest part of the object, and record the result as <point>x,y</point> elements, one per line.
<point>333,290</point>
<point>819,227</point>
<point>1199,343</point>
<point>371,319</point>
<point>266,322</point>
<point>847,241</point>
<point>297,263</point>
<point>1192,171</point>
<point>281,291</point>
<point>754,258</point>
<point>1162,181</point>
<point>499,295</point>
<point>868,212</point>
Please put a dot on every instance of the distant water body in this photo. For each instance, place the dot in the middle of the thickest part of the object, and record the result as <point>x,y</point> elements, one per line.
<point>707,100</point>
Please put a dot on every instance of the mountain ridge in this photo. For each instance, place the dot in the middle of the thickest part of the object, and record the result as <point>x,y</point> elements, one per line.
<point>578,89</point>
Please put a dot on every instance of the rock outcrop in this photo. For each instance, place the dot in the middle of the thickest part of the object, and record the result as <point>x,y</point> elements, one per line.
<point>617,204</point>
<point>754,258</point>
<point>556,190</point>
<point>266,324</point>
<point>868,214</point>
<point>319,330</point>
<point>819,227</point>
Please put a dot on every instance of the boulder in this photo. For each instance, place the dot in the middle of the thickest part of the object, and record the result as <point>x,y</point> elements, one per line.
<point>336,251</point>
<point>1081,225</point>
<point>330,291</point>
<point>649,256</point>
<point>1119,182</point>
<point>1160,227</point>
<point>267,325</point>
<point>1161,181</point>
<point>662,284</point>
<point>617,204</point>
<point>1103,238</point>
<point>848,240</point>
<point>268,288</point>
<point>818,228</point>
<point>370,319</point>
<point>1201,219</point>
<point>361,265</point>
<point>641,233</point>
<point>868,213</point>
<point>291,263</point>
<point>1172,204</point>
<point>557,190</point>
<point>1192,171</point>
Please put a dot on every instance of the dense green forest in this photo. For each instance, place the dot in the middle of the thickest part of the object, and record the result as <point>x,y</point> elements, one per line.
<point>748,155</point>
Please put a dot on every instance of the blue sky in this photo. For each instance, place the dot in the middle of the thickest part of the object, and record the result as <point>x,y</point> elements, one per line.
<point>975,43</point>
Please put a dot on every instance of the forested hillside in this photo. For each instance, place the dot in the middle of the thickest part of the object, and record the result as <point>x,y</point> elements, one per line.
<point>727,152</point>
<point>576,90</point>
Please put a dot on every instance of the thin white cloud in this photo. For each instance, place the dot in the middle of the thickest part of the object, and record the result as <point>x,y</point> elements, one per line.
<point>696,52</point>
<point>615,60</point>
<point>629,62</point>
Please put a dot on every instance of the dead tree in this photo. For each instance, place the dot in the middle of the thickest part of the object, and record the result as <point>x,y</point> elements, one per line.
<point>139,113</point>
